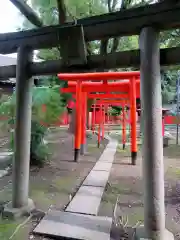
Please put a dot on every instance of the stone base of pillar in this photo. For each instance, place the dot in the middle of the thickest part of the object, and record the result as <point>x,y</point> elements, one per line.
<point>165,142</point>
<point>83,149</point>
<point>140,233</point>
<point>133,158</point>
<point>14,213</point>
<point>76,154</point>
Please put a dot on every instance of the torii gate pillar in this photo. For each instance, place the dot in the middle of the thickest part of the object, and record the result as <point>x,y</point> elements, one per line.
<point>21,204</point>
<point>153,166</point>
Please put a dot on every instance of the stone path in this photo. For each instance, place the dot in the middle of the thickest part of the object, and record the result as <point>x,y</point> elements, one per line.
<point>80,220</point>
<point>5,161</point>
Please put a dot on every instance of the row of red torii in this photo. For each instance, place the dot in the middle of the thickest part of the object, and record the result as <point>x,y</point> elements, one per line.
<point>123,91</point>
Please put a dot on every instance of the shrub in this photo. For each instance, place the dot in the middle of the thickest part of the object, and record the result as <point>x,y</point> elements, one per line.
<point>48,96</point>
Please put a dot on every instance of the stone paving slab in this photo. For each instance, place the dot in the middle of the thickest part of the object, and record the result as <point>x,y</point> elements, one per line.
<point>3,173</point>
<point>87,200</point>
<point>102,166</point>
<point>96,179</point>
<point>106,157</point>
<point>74,226</point>
<point>5,159</point>
<point>2,154</point>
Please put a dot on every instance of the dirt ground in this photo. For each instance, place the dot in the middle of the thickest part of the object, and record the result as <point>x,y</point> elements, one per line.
<point>53,185</point>
<point>126,182</point>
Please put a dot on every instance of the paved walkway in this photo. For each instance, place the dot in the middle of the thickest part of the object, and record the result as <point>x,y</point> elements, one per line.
<point>80,220</point>
<point>5,162</point>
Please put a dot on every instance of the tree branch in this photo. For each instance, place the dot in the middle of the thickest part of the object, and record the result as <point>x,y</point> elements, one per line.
<point>62,11</point>
<point>27,11</point>
<point>103,47</point>
<point>115,45</point>
<point>109,5</point>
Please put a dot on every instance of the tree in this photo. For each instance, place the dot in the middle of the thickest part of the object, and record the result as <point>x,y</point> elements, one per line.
<point>58,11</point>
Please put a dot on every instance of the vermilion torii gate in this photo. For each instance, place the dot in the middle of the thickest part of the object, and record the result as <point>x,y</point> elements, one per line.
<point>110,87</point>
<point>114,102</point>
<point>81,88</point>
<point>105,97</point>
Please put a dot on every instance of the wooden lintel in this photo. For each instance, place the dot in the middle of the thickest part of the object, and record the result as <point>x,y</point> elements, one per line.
<point>169,56</point>
<point>120,23</point>
<point>73,46</point>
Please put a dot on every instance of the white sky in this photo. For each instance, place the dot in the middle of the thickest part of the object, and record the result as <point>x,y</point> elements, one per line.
<point>9,17</point>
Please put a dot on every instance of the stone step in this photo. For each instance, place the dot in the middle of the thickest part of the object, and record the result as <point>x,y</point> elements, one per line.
<point>74,226</point>
<point>86,201</point>
<point>96,179</point>
<point>5,159</point>
<point>3,173</point>
<point>103,166</point>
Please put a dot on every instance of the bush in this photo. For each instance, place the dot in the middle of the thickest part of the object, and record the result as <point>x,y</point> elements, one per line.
<point>50,97</point>
<point>39,151</point>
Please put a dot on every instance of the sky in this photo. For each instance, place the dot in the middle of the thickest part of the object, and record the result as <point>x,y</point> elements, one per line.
<point>9,18</point>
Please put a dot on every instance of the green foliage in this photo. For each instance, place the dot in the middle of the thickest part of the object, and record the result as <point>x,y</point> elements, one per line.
<point>76,9</point>
<point>49,96</point>
<point>115,111</point>
<point>41,120</point>
<point>168,85</point>
<point>39,150</point>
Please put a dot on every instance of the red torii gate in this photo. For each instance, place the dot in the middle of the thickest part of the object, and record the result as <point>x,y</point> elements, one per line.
<point>105,97</point>
<point>106,101</point>
<point>121,87</point>
<point>115,87</point>
<point>111,102</point>
<point>103,87</point>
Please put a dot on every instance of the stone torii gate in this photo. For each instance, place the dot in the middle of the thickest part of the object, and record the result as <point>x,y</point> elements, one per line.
<point>147,22</point>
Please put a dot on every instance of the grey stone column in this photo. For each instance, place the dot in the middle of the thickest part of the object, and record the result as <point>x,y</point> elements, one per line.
<point>153,166</point>
<point>21,162</point>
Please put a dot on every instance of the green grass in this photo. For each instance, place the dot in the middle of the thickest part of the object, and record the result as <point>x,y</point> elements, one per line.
<point>174,172</point>
<point>8,227</point>
<point>172,151</point>
<point>137,215</point>
<point>113,191</point>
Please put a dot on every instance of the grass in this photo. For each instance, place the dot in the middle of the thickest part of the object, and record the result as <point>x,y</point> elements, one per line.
<point>172,151</point>
<point>136,215</point>
<point>175,172</point>
<point>111,193</point>
<point>8,227</point>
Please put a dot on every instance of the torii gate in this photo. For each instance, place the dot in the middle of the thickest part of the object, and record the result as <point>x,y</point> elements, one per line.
<point>114,99</point>
<point>123,86</point>
<point>115,102</point>
<point>104,96</point>
<point>80,87</point>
